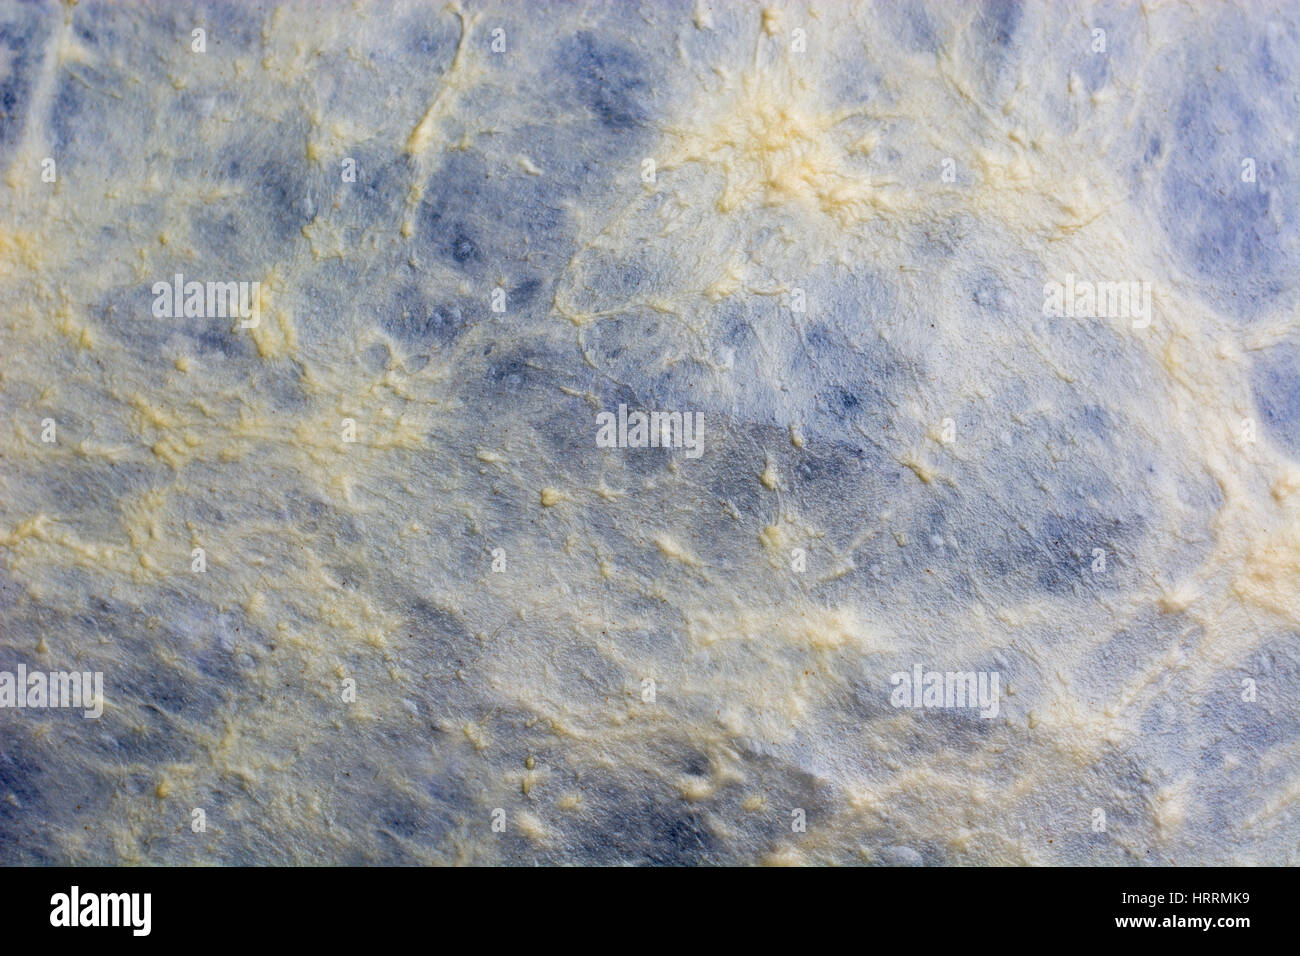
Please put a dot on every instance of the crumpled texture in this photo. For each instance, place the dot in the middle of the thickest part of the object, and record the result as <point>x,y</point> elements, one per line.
<point>471,634</point>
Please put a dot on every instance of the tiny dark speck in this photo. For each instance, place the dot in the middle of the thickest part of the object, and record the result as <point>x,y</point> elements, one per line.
<point>462,250</point>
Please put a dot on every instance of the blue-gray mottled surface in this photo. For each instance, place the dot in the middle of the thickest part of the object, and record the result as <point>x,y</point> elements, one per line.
<point>828,230</point>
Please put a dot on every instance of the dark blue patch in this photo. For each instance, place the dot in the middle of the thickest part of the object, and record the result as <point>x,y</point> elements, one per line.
<point>216,336</point>
<point>1094,69</point>
<point>381,182</point>
<point>1236,233</point>
<point>16,87</point>
<point>1094,419</point>
<point>860,401</point>
<point>89,491</point>
<point>19,776</point>
<point>15,37</point>
<point>76,116</point>
<point>568,431</point>
<point>681,387</point>
<point>514,372</point>
<point>684,839</point>
<point>219,664</point>
<point>419,325</point>
<point>461,247</point>
<point>910,23</point>
<point>1204,107</point>
<point>608,79</point>
<point>524,292</point>
<point>308,513</point>
<point>473,214</point>
<point>161,739</point>
<point>426,45</point>
<point>279,193</point>
<point>171,691</point>
<point>402,819</point>
<point>627,829</point>
<point>998,22</point>
<point>22,803</point>
<point>850,380</point>
<point>841,463</point>
<point>1275,382</point>
<point>1227,236</point>
<point>1058,557</point>
<point>440,629</point>
<point>696,764</point>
